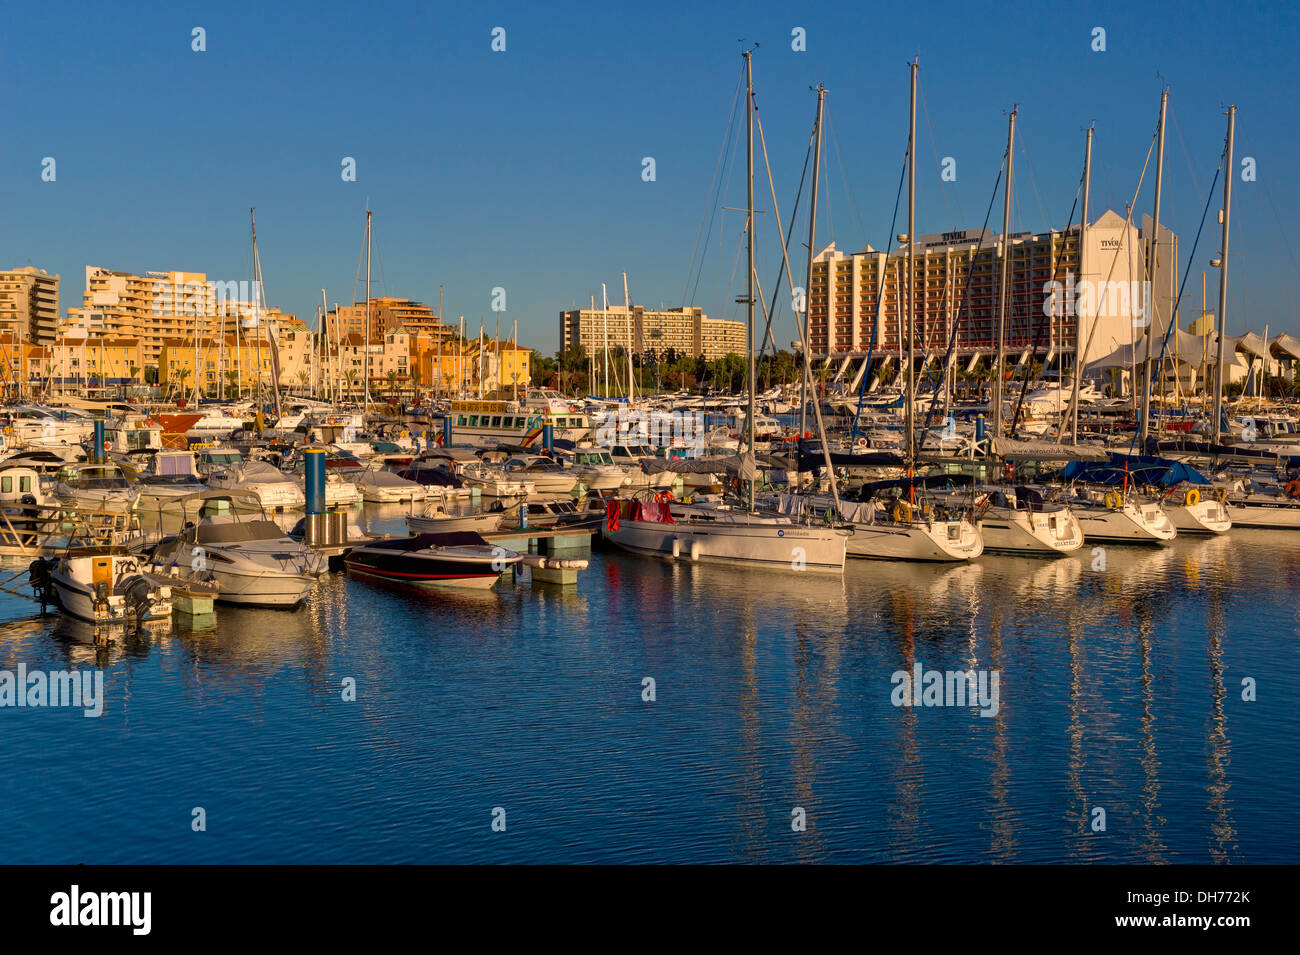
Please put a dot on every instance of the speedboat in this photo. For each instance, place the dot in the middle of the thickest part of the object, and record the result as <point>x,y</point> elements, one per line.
<point>454,559</point>
<point>254,562</point>
<point>109,587</point>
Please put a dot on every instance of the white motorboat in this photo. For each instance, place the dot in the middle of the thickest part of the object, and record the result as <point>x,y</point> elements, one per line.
<point>494,482</point>
<point>105,586</point>
<point>171,475</point>
<point>386,487</point>
<point>435,520</point>
<point>95,487</point>
<point>546,476</point>
<point>275,490</point>
<point>596,469</point>
<point>253,561</point>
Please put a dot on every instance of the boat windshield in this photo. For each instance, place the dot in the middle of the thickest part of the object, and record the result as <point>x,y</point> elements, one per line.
<point>237,532</point>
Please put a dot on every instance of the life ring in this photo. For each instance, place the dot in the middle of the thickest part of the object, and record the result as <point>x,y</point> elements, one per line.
<point>405,434</point>
<point>902,512</point>
<point>1193,496</point>
<point>1113,500</point>
<point>1293,489</point>
<point>108,445</point>
<point>860,443</point>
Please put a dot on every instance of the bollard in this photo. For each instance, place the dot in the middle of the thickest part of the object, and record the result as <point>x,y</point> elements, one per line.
<point>446,431</point>
<point>979,427</point>
<point>548,437</point>
<point>314,471</point>
<point>99,440</point>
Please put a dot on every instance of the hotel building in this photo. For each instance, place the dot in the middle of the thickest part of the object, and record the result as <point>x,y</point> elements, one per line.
<point>958,280</point>
<point>686,331</point>
<point>29,304</point>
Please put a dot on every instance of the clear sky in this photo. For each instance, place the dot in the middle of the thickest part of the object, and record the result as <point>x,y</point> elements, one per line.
<point>523,169</point>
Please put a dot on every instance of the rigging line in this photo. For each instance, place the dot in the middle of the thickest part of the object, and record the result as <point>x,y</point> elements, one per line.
<point>733,158</point>
<point>830,207</point>
<point>1164,345</point>
<point>934,147</point>
<point>776,288</point>
<point>1092,328</point>
<point>965,293</point>
<point>1186,155</point>
<point>1029,168</point>
<point>713,181</point>
<point>785,254</point>
<point>1038,332</point>
<point>875,315</point>
<point>844,176</point>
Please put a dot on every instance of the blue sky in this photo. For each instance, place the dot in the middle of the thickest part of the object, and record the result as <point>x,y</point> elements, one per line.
<point>522,169</point>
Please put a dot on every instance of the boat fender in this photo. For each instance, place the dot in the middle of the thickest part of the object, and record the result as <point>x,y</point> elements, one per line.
<point>1113,500</point>
<point>695,550</point>
<point>1293,489</point>
<point>1193,497</point>
<point>677,547</point>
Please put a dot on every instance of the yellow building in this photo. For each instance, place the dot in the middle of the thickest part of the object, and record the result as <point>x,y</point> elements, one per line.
<point>219,361</point>
<point>99,360</point>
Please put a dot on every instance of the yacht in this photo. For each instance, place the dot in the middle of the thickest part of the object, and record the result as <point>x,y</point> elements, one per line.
<point>546,476</point>
<point>386,487</point>
<point>275,490</point>
<point>95,487</point>
<point>253,561</point>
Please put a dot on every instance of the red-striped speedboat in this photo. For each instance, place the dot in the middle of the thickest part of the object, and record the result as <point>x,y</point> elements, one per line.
<point>451,559</point>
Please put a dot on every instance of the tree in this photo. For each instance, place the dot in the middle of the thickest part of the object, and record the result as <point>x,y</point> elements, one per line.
<point>350,376</point>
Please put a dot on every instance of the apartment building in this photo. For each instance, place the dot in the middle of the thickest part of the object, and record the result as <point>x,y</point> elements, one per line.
<point>29,304</point>
<point>684,331</point>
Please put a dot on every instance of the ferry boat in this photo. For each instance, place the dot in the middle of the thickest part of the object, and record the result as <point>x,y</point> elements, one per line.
<point>487,424</point>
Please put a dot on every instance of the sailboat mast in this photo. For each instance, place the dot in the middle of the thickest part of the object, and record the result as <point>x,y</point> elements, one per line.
<point>1153,257</point>
<point>1078,315</point>
<point>1223,273</point>
<point>749,250</point>
<point>604,308</point>
<point>631,376</point>
<point>998,369</point>
<point>807,295</point>
<point>365,367</point>
<point>257,304</point>
<point>911,276</point>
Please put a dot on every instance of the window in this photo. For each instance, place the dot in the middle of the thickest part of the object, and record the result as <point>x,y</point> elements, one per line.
<point>6,485</point>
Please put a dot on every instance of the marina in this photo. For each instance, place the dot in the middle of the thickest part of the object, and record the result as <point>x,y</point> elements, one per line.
<point>694,437</point>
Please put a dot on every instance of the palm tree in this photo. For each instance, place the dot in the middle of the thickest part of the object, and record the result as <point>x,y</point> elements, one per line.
<point>392,382</point>
<point>302,380</point>
<point>233,382</point>
<point>350,376</point>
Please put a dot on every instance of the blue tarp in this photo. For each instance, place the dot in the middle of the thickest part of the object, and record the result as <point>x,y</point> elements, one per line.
<point>1136,468</point>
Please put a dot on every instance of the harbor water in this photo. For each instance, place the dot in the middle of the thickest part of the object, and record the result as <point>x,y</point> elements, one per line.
<point>668,712</point>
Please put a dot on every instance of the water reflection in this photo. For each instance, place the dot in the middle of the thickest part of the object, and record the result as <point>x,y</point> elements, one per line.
<point>1115,690</point>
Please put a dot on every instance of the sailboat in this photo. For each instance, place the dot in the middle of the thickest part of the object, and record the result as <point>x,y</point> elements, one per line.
<point>718,533</point>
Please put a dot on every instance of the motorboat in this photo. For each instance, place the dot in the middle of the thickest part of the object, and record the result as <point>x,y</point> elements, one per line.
<point>169,475</point>
<point>95,487</point>
<point>546,476</point>
<point>596,469</point>
<point>494,482</point>
<point>109,587</point>
<point>435,520</point>
<point>275,490</point>
<point>253,561</point>
<point>453,559</point>
<point>386,487</point>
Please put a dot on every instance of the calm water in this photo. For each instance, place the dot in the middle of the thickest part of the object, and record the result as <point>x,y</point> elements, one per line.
<point>1120,689</point>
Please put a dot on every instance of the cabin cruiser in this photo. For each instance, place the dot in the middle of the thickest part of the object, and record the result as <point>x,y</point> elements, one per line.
<point>253,561</point>
<point>386,487</point>
<point>109,586</point>
<point>453,559</point>
<point>546,476</point>
<point>438,478</point>
<point>494,482</point>
<point>719,534</point>
<point>275,490</point>
<point>95,487</point>
<point>596,469</point>
<point>24,514</point>
<point>435,520</point>
<point>171,474</point>
<point>210,460</point>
